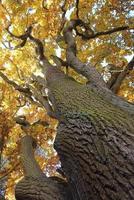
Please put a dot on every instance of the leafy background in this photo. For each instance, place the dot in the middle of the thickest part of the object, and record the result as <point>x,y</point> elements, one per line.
<point>18,64</point>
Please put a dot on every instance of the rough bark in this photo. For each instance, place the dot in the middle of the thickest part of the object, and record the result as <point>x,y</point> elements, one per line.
<point>42,188</point>
<point>95,142</point>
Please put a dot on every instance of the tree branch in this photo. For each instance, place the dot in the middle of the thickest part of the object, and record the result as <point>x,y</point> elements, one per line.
<point>85,69</point>
<point>27,35</point>
<point>118,77</point>
<point>90,72</point>
<point>23,90</point>
<point>58,61</point>
<point>51,73</point>
<point>31,92</point>
<point>30,166</point>
<point>90,34</point>
<point>9,171</point>
<point>39,49</point>
<point>63,9</point>
<point>43,6</point>
<point>77,8</point>
<point>44,102</point>
<point>114,30</point>
<point>23,37</point>
<point>63,16</point>
<point>40,52</point>
<point>36,184</point>
<point>21,120</point>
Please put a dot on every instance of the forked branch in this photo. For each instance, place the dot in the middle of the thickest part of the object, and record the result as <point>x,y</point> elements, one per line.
<point>39,49</point>
<point>85,69</point>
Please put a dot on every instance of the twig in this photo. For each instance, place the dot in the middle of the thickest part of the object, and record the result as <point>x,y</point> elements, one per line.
<point>77,9</point>
<point>43,6</point>
<point>9,171</point>
<point>92,35</point>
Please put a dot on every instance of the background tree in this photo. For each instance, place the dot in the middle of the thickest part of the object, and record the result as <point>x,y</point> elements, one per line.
<point>39,34</point>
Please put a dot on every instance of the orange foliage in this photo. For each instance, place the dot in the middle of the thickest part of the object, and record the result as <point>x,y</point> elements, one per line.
<point>19,64</point>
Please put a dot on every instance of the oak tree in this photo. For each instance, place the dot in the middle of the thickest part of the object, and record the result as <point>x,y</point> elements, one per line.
<point>66,84</point>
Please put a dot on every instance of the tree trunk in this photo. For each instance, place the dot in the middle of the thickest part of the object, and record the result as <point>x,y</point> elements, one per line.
<point>95,142</point>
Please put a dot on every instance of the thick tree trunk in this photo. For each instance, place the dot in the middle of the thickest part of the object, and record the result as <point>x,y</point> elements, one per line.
<point>95,142</point>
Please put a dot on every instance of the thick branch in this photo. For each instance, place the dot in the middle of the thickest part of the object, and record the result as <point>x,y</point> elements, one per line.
<point>117,78</point>
<point>30,166</point>
<point>90,72</point>
<point>40,50</point>
<point>85,69</point>
<point>36,185</point>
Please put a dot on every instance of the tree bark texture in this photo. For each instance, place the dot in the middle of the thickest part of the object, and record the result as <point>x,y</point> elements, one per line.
<point>95,142</point>
<point>42,188</point>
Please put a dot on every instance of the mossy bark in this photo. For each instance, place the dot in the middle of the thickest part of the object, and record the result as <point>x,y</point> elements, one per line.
<point>95,142</point>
